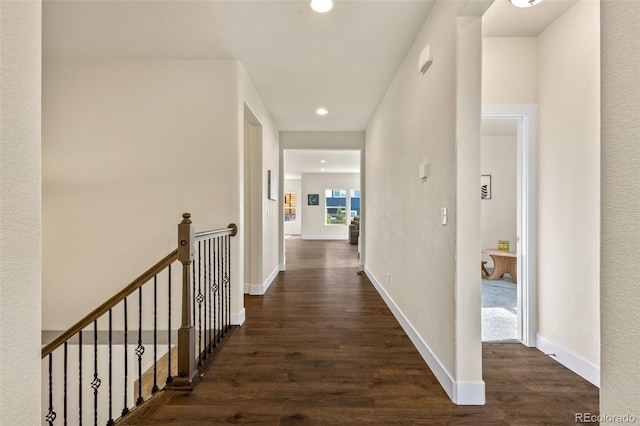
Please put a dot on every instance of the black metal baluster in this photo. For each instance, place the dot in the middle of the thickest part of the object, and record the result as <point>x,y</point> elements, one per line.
<point>204,279</point>
<point>228,281</point>
<point>210,283</point>
<point>219,283</point>
<point>95,383</point>
<point>199,299</point>
<point>125,410</point>
<point>219,294</point>
<point>169,376</point>
<point>155,335</point>
<point>214,289</point>
<point>64,385</point>
<point>224,284</point>
<point>80,377</point>
<point>139,348</point>
<point>51,415</point>
<point>110,421</point>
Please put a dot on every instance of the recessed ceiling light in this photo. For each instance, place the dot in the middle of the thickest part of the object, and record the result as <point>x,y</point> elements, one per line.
<point>321,6</point>
<point>323,161</point>
<point>525,3</point>
<point>322,170</point>
<point>322,111</point>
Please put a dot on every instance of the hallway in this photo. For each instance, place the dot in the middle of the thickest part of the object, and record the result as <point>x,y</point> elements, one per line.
<point>321,347</point>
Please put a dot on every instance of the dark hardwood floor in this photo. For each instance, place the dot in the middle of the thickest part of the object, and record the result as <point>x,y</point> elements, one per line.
<point>322,348</point>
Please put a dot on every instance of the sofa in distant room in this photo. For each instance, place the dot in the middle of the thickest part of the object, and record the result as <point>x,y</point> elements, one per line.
<point>354,230</point>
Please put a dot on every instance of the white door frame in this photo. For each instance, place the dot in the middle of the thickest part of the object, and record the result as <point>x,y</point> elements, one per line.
<point>527,117</point>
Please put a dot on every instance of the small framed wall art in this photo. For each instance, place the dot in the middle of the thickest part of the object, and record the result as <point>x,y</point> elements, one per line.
<point>313,199</point>
<point>485,187</point>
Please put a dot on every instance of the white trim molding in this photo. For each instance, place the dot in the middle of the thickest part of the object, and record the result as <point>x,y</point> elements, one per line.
<point>459,393</point>
<point>239,317</point>
<point>260,289</point>
<point>283,267</point>
<point>574,362</point>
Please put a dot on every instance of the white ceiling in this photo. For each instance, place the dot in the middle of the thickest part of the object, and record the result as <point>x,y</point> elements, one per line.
<point>298,60</point>
<point>298,161</point>
<point>504,20</point>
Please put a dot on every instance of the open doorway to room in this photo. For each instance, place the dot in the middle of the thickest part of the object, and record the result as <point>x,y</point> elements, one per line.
<point>518,260</point>
<point>499,167</point>
<point>322,192</point>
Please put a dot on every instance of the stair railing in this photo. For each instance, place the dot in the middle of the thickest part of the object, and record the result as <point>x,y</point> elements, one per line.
<point>205,320</point>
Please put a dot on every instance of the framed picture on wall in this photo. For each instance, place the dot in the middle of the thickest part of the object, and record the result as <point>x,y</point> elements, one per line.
<point>313,199</point>
<point>485,187</point>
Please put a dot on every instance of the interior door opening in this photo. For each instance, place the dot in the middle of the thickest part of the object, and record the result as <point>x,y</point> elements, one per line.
<point>525,119</point>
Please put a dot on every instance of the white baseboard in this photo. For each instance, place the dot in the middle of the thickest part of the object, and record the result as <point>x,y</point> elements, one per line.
<point>260,289</point>
<point>574,362</point>
<point>238,318</point>
<point>324,237</point>
<point>460,393</point>
<point>283,267</point>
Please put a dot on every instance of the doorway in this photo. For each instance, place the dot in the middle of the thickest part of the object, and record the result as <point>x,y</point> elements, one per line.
<point>498,229</point>
<point>525,118</point>
<point>322,194</point>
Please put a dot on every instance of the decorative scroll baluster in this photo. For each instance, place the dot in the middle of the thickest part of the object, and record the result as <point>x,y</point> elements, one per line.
<point>51,415</point>
<point>219,319</point>
<point>95,383</point>
<point>199,299</point>
<point>224,285</point>
<point>155,335</point>
<point>139,348</point>
<point>228,244</point>
<point>80,377</point>
<point>125,410</point>
<point>169,376</point>
<point>110,421</point>
<point>209,283</point>
<point>64,386</point>
<point>214,299</point>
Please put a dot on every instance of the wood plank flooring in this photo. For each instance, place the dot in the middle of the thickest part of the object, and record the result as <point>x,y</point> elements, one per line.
<point>322,348</point>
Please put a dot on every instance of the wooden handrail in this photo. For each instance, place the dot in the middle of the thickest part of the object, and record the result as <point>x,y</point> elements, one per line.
<point>110,303</point>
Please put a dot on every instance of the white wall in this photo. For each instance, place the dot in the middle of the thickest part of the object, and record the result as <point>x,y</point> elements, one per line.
<point>569,181</point>
<point>20,212</point>
<point>314,226</point>
<point>127,147</point>
<point>509,70</point>
<point>499,214</point>
<point>294,186</point>
<point>620,297</point>
<point>411,256</point>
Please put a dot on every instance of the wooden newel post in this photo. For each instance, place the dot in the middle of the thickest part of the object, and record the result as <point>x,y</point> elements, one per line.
<point>186,334</point>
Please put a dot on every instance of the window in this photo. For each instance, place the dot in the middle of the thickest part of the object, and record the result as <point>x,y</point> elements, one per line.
<point>355,202</point>
<point>290,204</point>
<point>336,206</point>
